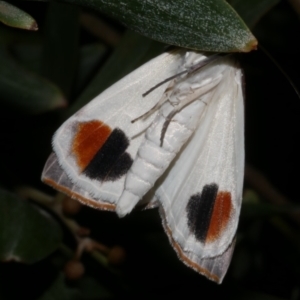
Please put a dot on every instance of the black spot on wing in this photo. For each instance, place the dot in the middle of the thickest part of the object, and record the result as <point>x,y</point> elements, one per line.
<point>120,168</point>
<point>111,161</point>
<point>199,211</point>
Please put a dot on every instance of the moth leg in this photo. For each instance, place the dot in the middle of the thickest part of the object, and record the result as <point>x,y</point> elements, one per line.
<point>193,95</point>
<point>151,110</point>
<point>163,99</point>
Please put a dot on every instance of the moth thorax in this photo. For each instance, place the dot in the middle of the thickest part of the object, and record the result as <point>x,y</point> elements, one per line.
<point>192,58</point>
<point>180,92</point>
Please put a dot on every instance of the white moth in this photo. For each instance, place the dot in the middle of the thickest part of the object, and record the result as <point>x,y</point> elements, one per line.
<point>181,148</point>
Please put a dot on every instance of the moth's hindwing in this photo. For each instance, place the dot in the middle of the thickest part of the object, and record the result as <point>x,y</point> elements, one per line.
<point>201,192</point>
<point>55,176</point>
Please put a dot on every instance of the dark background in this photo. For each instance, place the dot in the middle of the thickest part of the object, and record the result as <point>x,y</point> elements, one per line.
<point>266,262</point>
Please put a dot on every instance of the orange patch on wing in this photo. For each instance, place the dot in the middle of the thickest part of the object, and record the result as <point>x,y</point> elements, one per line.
<point>89,138</point>
<point>220,216</point>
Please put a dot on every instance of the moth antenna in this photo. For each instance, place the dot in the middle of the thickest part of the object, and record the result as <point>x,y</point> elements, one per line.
<point>164,81</point>
<point>151,110</point>
<point>192,69</point>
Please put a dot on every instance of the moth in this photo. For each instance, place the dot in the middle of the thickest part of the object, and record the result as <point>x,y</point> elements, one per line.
<point>180,147</point>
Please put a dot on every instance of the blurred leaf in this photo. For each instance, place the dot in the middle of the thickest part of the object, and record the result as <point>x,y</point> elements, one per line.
<point>265,210</point>
<point>288,231</point>
<point>206,25</point>
<point>100,28</point>
<point>29,55</point>
<point>60,51</point>
<point>250,196</point>
<point>59,291</point>
<point>252,10</point>
<point>282,39</point>
<point>254,208</point>
<point>296,6</point>
<point>15,17</point>
<point>11,37</point>
<point>242,262</point>
<point>87,289</point>
<point>132,51</point>
<point>90,57</point>
<point>24,90</point>
<point>27,234</point>
<point>90,289</point>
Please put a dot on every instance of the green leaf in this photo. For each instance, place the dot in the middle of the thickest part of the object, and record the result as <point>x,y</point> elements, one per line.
<point>206,25</point>
<point>15,17</point>
<point>60,51</point>
<point>27,234</point>
<point>252,10</point>
<point>87,288</point>
<point>90,289</point>
<point>89,58</point>
<point>59,291</point>
<point>28,55</point>
<point>26,91</point>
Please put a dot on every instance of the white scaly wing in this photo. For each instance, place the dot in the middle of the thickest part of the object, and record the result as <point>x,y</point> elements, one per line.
<point>201,192</point>
<point>187,98</point>
<point>209,165</point>
<point>103,129</point>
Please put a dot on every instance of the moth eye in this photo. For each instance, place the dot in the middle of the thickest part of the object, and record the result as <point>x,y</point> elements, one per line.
<point>100,151</point>
<point>208,213</point>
